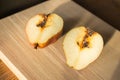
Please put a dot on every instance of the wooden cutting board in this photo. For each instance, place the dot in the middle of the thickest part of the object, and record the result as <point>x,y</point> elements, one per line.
<point>49,63</point>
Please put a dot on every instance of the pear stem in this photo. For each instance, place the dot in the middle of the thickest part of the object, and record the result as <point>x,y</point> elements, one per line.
<point>36,45</point>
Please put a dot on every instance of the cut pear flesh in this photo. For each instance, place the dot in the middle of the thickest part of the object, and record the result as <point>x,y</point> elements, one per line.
<point>82,46</point>
<point>42,29</point>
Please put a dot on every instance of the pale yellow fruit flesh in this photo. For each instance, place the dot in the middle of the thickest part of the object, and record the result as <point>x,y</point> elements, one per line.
<point>41,34</point>
<point>53,26</point>
<point>78,57</point>
<point>33,32</point>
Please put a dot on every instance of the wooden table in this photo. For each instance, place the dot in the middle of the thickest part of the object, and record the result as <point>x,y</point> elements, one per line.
<point>49,63</point>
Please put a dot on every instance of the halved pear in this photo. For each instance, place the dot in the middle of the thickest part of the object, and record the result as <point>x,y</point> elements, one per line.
<point>44,29</point>
<point>82,46</point>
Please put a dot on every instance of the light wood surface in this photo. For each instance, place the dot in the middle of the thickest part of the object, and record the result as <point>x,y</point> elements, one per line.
<point>49,63</point>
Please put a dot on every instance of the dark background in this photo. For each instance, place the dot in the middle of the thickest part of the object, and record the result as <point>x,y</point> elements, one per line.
<point>107,10</point>
<point>8,7</point>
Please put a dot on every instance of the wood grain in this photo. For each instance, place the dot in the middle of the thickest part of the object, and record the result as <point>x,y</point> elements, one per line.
<point>49,63</point>
<point>5,73</point>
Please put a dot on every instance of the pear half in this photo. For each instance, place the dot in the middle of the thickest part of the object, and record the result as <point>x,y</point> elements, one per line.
<point>43,29</point>
<point>82,46</point>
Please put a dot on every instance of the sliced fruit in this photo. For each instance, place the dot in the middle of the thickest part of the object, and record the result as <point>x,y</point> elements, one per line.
<point>82,46</point>
<point>44,29</point>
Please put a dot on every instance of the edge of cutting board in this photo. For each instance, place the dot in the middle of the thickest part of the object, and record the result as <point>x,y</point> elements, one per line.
<point>12,67</point>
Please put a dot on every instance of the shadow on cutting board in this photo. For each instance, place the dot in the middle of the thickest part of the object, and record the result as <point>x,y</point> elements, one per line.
<point>116,74</point>
<point>73,16</point>
<point>70,17</point>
